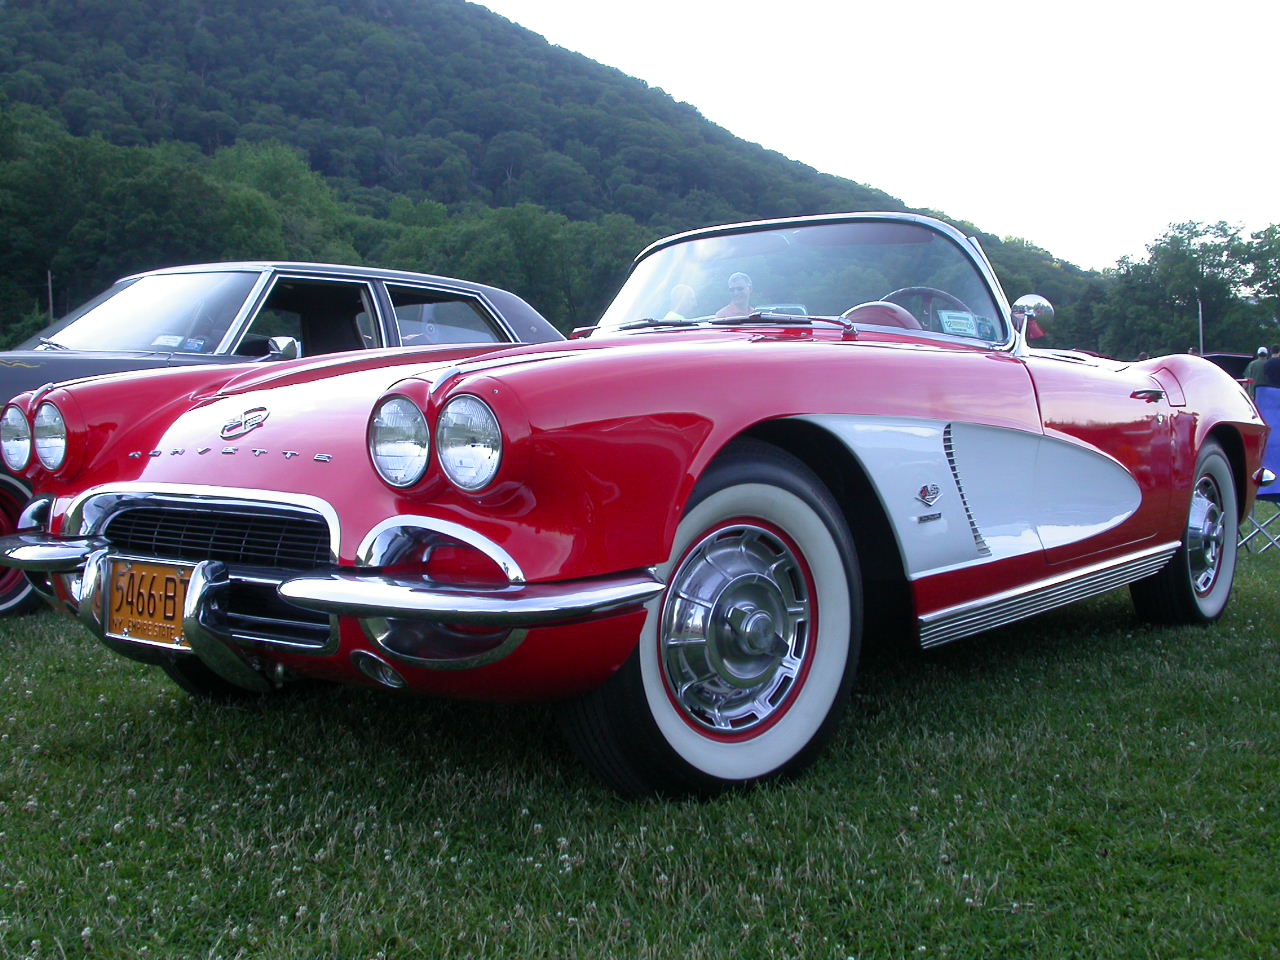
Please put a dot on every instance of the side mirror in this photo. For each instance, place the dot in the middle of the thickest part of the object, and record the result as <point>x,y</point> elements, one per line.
<point>283,348</point>
<point>1032,312</point>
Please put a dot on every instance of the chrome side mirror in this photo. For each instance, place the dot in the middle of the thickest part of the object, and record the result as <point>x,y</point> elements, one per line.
<point>283,348</point>
<point>1032,312</point>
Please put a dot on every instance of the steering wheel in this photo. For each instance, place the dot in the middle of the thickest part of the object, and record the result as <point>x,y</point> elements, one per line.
<point>929,298</point>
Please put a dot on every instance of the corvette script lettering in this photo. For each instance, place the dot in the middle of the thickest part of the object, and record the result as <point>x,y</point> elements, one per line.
<point>255,452</point>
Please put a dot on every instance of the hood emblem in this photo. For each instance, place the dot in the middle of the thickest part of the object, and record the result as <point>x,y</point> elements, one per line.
<point>245,423</point>
<point>929,494</point>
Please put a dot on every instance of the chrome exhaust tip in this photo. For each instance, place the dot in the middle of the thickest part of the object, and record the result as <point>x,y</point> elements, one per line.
<point>377,669</point>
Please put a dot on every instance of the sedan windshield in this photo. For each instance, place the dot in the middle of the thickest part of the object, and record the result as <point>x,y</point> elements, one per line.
<point>871,273</point>
<point>170,313</point>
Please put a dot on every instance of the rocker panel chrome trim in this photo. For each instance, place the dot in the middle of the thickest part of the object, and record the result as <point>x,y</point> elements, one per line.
<point>978,616</point>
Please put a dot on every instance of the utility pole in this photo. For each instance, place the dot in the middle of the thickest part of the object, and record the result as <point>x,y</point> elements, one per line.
<point>1200,319</point>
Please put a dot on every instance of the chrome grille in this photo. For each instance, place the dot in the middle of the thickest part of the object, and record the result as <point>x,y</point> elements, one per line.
<point>261,544</point>
<point>280,540</point>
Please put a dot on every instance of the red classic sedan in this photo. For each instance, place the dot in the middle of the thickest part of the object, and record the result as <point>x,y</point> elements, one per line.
<point>677,522</point>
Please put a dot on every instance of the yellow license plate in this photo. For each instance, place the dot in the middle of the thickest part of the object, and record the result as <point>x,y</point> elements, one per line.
<point>145,601</point>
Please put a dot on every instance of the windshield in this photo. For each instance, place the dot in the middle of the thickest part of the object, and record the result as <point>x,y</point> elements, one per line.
<point>173,313</point>
<point>898,275</point>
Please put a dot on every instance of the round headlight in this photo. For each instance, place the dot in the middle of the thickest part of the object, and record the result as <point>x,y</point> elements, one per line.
<point>15,439</point>
<point>399,442</point>
<point>50,432</point>
<point>469,441</point>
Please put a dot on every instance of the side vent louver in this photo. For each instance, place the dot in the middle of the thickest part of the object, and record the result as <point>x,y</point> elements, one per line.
<point>948,445</point>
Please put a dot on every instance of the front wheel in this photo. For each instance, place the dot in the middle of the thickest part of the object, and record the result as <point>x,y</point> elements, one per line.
<point>744,663</point>
<point>1195,585</point>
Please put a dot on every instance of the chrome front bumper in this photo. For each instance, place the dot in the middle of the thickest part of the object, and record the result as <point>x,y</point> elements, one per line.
<point>352,593</point>
<point>397,613</point>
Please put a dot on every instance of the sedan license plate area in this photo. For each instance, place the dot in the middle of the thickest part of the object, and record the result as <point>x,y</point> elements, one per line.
<point>145,601</point>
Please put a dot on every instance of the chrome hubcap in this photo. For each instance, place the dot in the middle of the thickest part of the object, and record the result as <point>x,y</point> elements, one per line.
<point>1206,529</point>
<point>736,629</point>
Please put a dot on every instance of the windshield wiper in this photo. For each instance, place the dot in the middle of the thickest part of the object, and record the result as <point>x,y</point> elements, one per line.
<point>774,319</point>
<point>762,317</point>
<point>648,322</point>
<point>53,344</point>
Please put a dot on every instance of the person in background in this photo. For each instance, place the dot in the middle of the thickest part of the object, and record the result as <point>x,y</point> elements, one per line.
<point>739,304</point>
<point>684,302</point>
<point>1253,372</point>
<point>1271,370</point>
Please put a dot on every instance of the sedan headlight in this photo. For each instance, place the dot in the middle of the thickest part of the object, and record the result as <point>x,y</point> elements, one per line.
<point>469,442</point>
<point>15,439</point>
<point>399,442</point>
<point>49,429</point>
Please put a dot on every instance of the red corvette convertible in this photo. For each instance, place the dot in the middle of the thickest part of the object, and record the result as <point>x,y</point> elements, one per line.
<point>678,522</point>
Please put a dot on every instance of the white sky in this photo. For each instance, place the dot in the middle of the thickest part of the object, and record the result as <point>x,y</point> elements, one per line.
<point>1084,127</point>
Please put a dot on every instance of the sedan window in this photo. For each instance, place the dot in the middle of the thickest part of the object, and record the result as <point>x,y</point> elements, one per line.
<point>324,316</point>
<point>430,316</point>
<point>170,313</point>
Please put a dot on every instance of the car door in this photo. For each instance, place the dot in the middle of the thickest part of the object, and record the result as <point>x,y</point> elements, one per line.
<point>1123,413</point>
<point>324,315</point>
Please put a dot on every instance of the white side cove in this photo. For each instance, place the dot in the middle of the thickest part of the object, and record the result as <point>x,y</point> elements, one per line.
<point>960,494</point>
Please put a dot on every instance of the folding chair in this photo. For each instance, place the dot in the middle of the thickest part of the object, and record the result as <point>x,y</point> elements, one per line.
<point>1264,526</point>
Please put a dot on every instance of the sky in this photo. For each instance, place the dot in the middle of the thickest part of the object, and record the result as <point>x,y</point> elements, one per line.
<point>1085,128</point>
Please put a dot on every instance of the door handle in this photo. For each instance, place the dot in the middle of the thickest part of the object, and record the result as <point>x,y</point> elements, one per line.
<point>1150,394</point>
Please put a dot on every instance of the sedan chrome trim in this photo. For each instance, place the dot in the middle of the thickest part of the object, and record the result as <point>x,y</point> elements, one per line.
<point>966,619</point>
<point>353,594</point>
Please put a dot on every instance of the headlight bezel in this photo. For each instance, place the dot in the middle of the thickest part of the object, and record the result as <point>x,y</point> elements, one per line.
<point>477,474</point>
<point>407,408</point>
<point>28,441</point>
<point>49,417</point>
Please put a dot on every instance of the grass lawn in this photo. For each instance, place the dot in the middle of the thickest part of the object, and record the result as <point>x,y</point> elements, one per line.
<point>1079,785</point>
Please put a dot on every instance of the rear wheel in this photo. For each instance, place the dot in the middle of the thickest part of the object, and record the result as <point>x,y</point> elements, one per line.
<point>1195,585</point>
<point>744,664</point>
<point>16,593</point>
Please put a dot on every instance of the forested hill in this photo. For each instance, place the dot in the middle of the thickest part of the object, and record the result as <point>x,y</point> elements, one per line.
<point>438,96</point>
<point>423,132</point>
